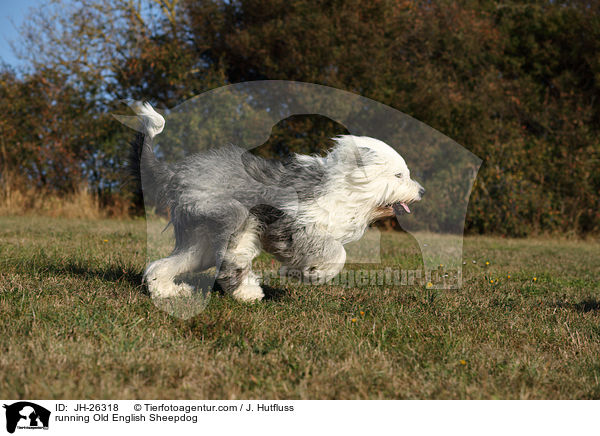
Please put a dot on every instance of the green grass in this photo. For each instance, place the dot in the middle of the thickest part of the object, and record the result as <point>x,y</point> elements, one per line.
<point>77,324</point>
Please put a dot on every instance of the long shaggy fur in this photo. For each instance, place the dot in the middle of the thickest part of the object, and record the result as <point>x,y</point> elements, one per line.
<point>226,205</point>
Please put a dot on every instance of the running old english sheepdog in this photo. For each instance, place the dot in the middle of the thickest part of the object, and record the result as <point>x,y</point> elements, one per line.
<point>226,205</point>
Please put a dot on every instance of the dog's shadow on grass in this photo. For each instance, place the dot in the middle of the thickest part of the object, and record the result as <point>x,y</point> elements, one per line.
<point>584,306</point>
<point>274,294</point>
<point>112,273</point>
<point>271,293</point>
<point>587,305</point>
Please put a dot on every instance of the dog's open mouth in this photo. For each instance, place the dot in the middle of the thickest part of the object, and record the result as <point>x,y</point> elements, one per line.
<point>399,208</point>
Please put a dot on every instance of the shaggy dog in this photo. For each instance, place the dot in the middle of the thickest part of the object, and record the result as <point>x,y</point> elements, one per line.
<point>226,205</point>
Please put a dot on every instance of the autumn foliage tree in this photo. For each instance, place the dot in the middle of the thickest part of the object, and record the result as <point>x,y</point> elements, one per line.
<point>515,83</point>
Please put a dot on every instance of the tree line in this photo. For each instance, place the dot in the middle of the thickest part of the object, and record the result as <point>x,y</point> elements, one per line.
<point>516,83</point>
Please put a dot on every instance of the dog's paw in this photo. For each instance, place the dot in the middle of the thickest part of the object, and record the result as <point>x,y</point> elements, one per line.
<point>161,289</point>
<point>249,292</point>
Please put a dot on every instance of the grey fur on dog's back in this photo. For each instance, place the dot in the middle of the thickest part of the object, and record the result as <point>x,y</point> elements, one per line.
<point>219,188</point>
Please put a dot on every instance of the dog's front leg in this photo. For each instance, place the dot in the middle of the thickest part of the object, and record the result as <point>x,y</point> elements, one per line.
<point>160,274</point>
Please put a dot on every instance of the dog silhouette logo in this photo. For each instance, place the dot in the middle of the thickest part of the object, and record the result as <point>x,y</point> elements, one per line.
<point>26,415</point>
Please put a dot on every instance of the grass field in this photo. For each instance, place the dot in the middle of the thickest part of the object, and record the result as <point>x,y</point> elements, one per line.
<point>75,323</point>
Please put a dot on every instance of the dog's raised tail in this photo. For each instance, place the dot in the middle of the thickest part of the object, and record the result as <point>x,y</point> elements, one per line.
<point>151,174</point>
<point>152,122</point>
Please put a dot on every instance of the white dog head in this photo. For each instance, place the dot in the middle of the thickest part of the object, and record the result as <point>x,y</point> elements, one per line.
<point>375,175</point>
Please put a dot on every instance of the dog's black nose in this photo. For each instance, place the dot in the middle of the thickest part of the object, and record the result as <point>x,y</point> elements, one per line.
<point>421,191</point>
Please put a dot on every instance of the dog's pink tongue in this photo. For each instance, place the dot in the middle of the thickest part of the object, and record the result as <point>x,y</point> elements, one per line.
<point>405,206</point>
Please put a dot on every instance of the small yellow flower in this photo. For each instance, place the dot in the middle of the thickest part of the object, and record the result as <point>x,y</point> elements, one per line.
<point>105,240</point>
<point>441,265</point>
<point>362,313</point>
<point>353,319</point>
<point>463,362</point>
<point>486,262</point>
<point>430,285</point>
<point>535,279</point>
<point>492,282</point>
<point>508,276</point>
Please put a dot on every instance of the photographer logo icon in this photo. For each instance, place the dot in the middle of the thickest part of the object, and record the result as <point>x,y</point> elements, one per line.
<point>26,415</point>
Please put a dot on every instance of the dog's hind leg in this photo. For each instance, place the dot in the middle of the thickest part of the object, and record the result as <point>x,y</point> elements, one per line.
<point>161,273</point>
<point>235,273</point>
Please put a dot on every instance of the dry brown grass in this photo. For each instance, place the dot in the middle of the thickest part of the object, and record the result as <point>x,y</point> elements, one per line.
<point>18,197</point>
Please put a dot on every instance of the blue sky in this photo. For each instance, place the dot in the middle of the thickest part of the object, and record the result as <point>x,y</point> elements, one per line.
<point>12,13</point>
